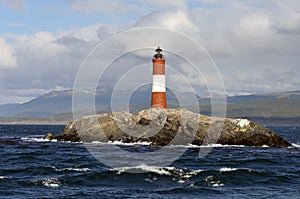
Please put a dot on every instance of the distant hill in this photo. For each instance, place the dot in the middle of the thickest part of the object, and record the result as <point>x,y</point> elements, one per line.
<point>266,107</point>
<point>283,105</point>
<point>5,109</point>
<point>56,106</point>
<point>57,102</point>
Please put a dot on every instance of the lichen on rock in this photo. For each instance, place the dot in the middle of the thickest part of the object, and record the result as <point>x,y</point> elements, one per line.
<point>162,127</point>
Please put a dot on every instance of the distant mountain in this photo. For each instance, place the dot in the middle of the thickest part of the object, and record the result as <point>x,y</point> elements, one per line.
<point>272,105</point>
<point>266,107</point>
<point>45,105</point>
<point>56,102</point>
<point>5,109</point>
<point>57,105</point>
<point>278,95</point>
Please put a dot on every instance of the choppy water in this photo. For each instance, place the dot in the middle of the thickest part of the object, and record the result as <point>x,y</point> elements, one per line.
<point>34,168</point>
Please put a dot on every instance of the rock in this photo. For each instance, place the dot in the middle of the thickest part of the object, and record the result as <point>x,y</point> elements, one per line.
<point>8,142</point>
<point>163,127</point>
<point>64,137</point>
<point>48,136</point>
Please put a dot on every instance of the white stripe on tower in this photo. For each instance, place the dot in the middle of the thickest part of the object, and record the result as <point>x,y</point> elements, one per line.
<point>159,83</point>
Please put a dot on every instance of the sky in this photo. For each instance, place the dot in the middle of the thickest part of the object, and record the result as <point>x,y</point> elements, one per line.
<point>255,44</point>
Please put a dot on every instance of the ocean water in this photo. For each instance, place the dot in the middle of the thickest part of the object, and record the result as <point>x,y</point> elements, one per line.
<point>32,167</point>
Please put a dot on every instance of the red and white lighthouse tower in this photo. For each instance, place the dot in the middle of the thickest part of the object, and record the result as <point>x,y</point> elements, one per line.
<point>159,99</point>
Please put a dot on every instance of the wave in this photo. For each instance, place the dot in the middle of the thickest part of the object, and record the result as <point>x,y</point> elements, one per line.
<point>178,175</point>
<point>214,146</point>
<point>158,170</point>
<point>48,182</point>
<point>144,168</point>
<point>73,169</point>
<point>118,143</point>
<point>168,171</point>
<point>3,177</point>
<point>213,181</point>
<point>37,139</point>
<point>228,169</point>
<point>149,143</point>
<point>296,145</point>
<point>41,139</point>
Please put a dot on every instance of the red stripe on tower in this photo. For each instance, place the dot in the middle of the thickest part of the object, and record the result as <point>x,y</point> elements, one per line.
<point>159,99</point>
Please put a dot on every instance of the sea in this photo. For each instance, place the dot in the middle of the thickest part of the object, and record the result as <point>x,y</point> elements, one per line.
<point>33,167</point>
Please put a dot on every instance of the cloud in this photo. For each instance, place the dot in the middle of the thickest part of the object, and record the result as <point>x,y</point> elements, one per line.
<point>46,60</point>
<point>178,20</point>
<point>243,38</point>
<point>20,95</point>
<point>102,6</point>
<point>168,4</point>
<point>255,44</point>
<point>8,57</point>
<point>15,5</point>
<point>267,80</point>
<point>89,33</point>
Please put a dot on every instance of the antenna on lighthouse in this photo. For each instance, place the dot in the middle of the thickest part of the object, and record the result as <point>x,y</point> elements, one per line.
<point>158,99</point>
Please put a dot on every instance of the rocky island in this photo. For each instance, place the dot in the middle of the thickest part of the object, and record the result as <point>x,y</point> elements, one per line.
<point>161,127</point>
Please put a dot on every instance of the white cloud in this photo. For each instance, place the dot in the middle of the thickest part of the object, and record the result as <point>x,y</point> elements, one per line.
<point>178,20</point>
<point>41,47</point>
<point>267,80</point>
<point>242,39</point>
<point>8,57</point>
<point>168,4</point>
<point>45,60</point>
<point>20,95</point>
<point>89,33</point>
<point>102,6</point>
<point>256,44</point>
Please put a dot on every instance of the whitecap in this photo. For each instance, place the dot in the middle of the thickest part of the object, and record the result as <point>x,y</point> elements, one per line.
<point>71,169</point>
<point>145,168</point>
<point>180,181</point>
<point>119,143</point>
<point>213,182</point>
<point>296,145</point>
<point>36,139</point>
<point>48,182</point>
<point>3,177</point>
<point>206,146</point>
<point>221,145</point>
<point>74,169</point>
<point>218,184</point>
<point>228,169</point>
<point>178,175</point>
<point>51,182</point>
<point>39,139</point>
<point>188,145</point>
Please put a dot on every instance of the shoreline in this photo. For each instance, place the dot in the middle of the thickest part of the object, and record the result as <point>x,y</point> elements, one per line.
<point>34,123</point>
<point>276,121</point>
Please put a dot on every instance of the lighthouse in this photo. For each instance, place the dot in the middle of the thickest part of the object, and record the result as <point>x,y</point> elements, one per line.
<point>158,99</point>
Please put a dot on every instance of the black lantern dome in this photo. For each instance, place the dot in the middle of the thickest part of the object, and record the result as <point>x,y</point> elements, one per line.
<point>158,53</point>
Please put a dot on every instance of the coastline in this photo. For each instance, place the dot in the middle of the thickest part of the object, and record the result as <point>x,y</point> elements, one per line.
<point>267,121</point>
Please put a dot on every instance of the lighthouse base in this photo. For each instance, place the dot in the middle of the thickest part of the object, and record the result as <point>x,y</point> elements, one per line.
<point>158,100</point>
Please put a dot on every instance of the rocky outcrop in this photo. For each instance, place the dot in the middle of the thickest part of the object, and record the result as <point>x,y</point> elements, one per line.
<point>163,127</point>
